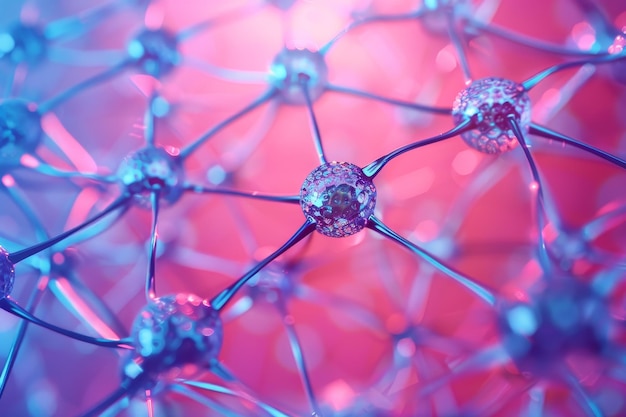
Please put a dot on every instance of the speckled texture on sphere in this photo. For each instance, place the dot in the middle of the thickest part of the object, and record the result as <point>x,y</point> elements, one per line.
<point>293,67</point>
<point>564,316</point>
<point>339,198</point>
<point>177,332</point>
<point>155,52</point>
<point>152,169</point>
<point>489,102</point>
<point>7,274</point>
<point>20,130</point>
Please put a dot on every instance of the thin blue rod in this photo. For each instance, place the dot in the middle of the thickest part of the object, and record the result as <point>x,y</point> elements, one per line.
<point>298,355</point>
<point>527,41</point>
<point>18,256</point>
<point>226,295</point>
<point>26,210</point>
<point>148,121</point>
<point>107,403</point>
<point>392,101</point>
<point>599,59</point>
<point>486,295</point>
<point>315,129</point>
<point>10,306</point>
<point>151,276</point>
<point>374,168</point>
<point>31,305</point>
<point>206,402</point>
<point>544,257</point>
<point>371,19</point>
<point>265,97</point>
<point>46,169</point>
<point>455,37</point>
<point>292,199</point>
<point>53,102</point>
<point>542,131</point>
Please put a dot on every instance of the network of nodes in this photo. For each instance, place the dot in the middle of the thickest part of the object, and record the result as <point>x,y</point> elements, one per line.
<point>370,298</point>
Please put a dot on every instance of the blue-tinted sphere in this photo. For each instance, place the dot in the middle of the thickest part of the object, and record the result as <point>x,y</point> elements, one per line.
<point>339,198</point>
<point>152,169</point>
<point>565,317</point>
<point>292,69</point>
<point>176,336</point>
<point>23,44</point>
<point>488,103</point>
<point>20,130</point>
<point>155,52</point>
<point>7,274</point>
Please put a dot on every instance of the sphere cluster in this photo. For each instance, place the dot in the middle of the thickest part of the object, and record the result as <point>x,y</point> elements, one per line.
<point>151,169</point>
<point>488,103</point>
<point>339,198</point>
<point>176,336</point>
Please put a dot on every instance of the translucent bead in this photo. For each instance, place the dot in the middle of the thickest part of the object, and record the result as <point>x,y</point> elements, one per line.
<point>339,198</point>
<point>488,103</point>
<point>20,130</point>
<point>155,52</point>
<point>564,316</point>
<point>152,169</point>
<point>293,68</point>
<point>23,44</point>
<point>175,336</point>
<point>7,274</point>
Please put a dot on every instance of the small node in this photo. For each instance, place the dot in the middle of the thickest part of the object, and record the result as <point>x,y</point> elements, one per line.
<point>565,317</point>
<point>272,283</point>
<point>20,130</point>
<point>488,103</point>
<point>294,68</point>
<point>339,198</point>
<point>152,169</point>
<point>155,52</point>
<point>437,12</point>
<point>23,44</point>
<point>7,274</point>
<point>176,336</point>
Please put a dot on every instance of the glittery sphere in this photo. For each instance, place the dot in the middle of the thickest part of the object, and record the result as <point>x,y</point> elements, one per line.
<point>7,274</point>
<point>23,44</point>
<point>339,198</point>
<point>293,68</point>
<point>489,103</point>
<point>565,316</point>
<point>152,169</point>
<point>20,130</point>
<point>155,52</point>
<point>177,336</point>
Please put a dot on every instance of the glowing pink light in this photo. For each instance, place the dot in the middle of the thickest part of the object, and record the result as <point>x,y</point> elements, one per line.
<point>338,394</point>
<point>8,181</point>
<point>79,157</point>
<point>85,201</point>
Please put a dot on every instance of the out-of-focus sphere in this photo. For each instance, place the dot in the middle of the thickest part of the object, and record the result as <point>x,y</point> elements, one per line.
<point>152,169</point>
<point>564,316</point>
<point>293,68</point>
<point>23,44</point>
<point>488,103</point>
<point>177,336</point>
<point>7,274</point>
<point>155,52</point>
<point>20,130</point>
<point>339,198</point>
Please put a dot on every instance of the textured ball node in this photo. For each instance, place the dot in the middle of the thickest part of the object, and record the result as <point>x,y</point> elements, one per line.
<point>564,317</point>
<point>152,169</point>
<point>176,336</point>
<point>20,130</point>
<point>23,43</point>
<point>488,103</point>
<point>294,68</point>
<point>7,274</point>
<point>339,198</point>
<point>155,52</point>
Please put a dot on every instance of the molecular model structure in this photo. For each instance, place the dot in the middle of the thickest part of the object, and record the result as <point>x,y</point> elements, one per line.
<point>331,208</point>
